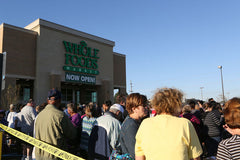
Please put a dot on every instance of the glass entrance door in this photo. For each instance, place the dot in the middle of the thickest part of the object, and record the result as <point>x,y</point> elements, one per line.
<point>67,95</point>
<point>78,94</point>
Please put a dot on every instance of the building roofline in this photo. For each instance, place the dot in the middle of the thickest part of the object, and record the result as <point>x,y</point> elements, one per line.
<point>17,28</point>
<point>119,54</point>
<point>42,22</point>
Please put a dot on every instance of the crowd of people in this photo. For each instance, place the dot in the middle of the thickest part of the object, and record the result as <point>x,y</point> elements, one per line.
<point>132,127</point>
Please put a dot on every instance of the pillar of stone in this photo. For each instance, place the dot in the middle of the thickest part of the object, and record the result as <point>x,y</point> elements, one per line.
<point>105,92</point>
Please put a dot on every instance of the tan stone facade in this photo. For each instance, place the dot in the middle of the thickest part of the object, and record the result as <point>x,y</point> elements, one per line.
<point>45,55</point>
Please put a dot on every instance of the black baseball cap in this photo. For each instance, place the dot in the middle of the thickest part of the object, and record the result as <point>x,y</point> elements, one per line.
<point>54,93</point>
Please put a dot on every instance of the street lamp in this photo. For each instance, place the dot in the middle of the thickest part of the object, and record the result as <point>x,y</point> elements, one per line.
<point>220,67</point>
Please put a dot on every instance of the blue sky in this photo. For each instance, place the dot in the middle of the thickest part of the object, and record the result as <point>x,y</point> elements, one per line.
<point>167,43</point>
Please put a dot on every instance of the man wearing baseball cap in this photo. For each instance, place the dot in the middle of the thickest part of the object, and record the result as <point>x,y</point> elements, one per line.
<point>53,126</point>
<point>105,133</point>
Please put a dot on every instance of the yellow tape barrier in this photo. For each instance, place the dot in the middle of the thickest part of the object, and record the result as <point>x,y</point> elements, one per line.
<point>42,145</point>
<point>1,135</point>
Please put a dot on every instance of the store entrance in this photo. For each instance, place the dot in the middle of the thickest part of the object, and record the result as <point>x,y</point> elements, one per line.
<point>25,89</point>
<point>78,93</point>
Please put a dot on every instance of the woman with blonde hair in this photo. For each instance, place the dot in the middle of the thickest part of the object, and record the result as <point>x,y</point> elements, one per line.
<point>166,136</point>
<point>87,125</point>
<point>11,120</point>
<point>11,116</point>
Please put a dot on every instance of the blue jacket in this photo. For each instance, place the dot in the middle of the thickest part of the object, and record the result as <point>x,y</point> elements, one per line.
<point>128,132</point>
<point>104,137</point>
<point>98,146</point>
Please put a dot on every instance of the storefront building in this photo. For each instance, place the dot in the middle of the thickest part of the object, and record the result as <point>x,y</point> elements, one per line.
<point>45,55</point>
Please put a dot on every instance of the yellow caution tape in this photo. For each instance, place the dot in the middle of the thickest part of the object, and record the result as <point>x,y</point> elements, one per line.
<point>1,135</point>
<point>40,144</point>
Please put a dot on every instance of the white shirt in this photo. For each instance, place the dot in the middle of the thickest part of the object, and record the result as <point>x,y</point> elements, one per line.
<point>11,119</point>
<point>28,115</point>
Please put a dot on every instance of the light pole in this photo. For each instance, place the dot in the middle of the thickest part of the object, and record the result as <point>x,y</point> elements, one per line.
<point>201,92</point>
<point>220,67</point>
<point>131,85</point>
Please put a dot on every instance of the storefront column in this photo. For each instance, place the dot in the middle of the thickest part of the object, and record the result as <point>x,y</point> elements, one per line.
<point>55,81</point>
<point>105,92</point>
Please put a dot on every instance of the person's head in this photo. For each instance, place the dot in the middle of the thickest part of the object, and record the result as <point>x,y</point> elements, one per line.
<point>31,103</point>
<point>37,108</point>
<point>71,108</point>
<point>200,102</point>
<point>212,105</point>
<point>206,105</point>
<point>12,108</point>
<point>167,101</point>
<point>118,110</point>
<point>210,99</point>
<point>106,105</point>
<point>197,107</point>
<point>91,111</point>
<point>137,105</point>
<point>186,109</point>
<point>192,104</point>
<point>83,106</point>
<point>54,97</point>
<point>121,99</point>
<point>232,113</point>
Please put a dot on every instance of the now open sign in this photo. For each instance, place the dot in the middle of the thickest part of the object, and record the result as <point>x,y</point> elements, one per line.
<point>86,79</point>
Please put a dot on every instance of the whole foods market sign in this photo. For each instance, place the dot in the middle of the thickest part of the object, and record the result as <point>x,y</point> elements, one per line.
<point>81,58</point>
<point>70,77</point>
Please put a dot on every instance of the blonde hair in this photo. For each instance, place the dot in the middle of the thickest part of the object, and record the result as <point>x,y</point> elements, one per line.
<point>167,100</point>
<point>91,110</point>
<point>12,108</point>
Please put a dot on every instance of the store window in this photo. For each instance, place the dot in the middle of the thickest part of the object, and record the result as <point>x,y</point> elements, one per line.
<point>78,93</point>
<point>25,89</point>
<point>94,97</point>
<point>26,94</point>
<point>67,95</point>
<point>77,97</point>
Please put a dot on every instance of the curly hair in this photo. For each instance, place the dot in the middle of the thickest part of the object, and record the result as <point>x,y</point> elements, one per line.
<point>167,100</point>
<point>134,100</point>
<point>232,113</point>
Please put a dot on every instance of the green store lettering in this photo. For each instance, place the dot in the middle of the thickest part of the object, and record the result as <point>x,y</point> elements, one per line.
<point>81,49</point>
<point>80,61</point>
<point>81,55</point>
